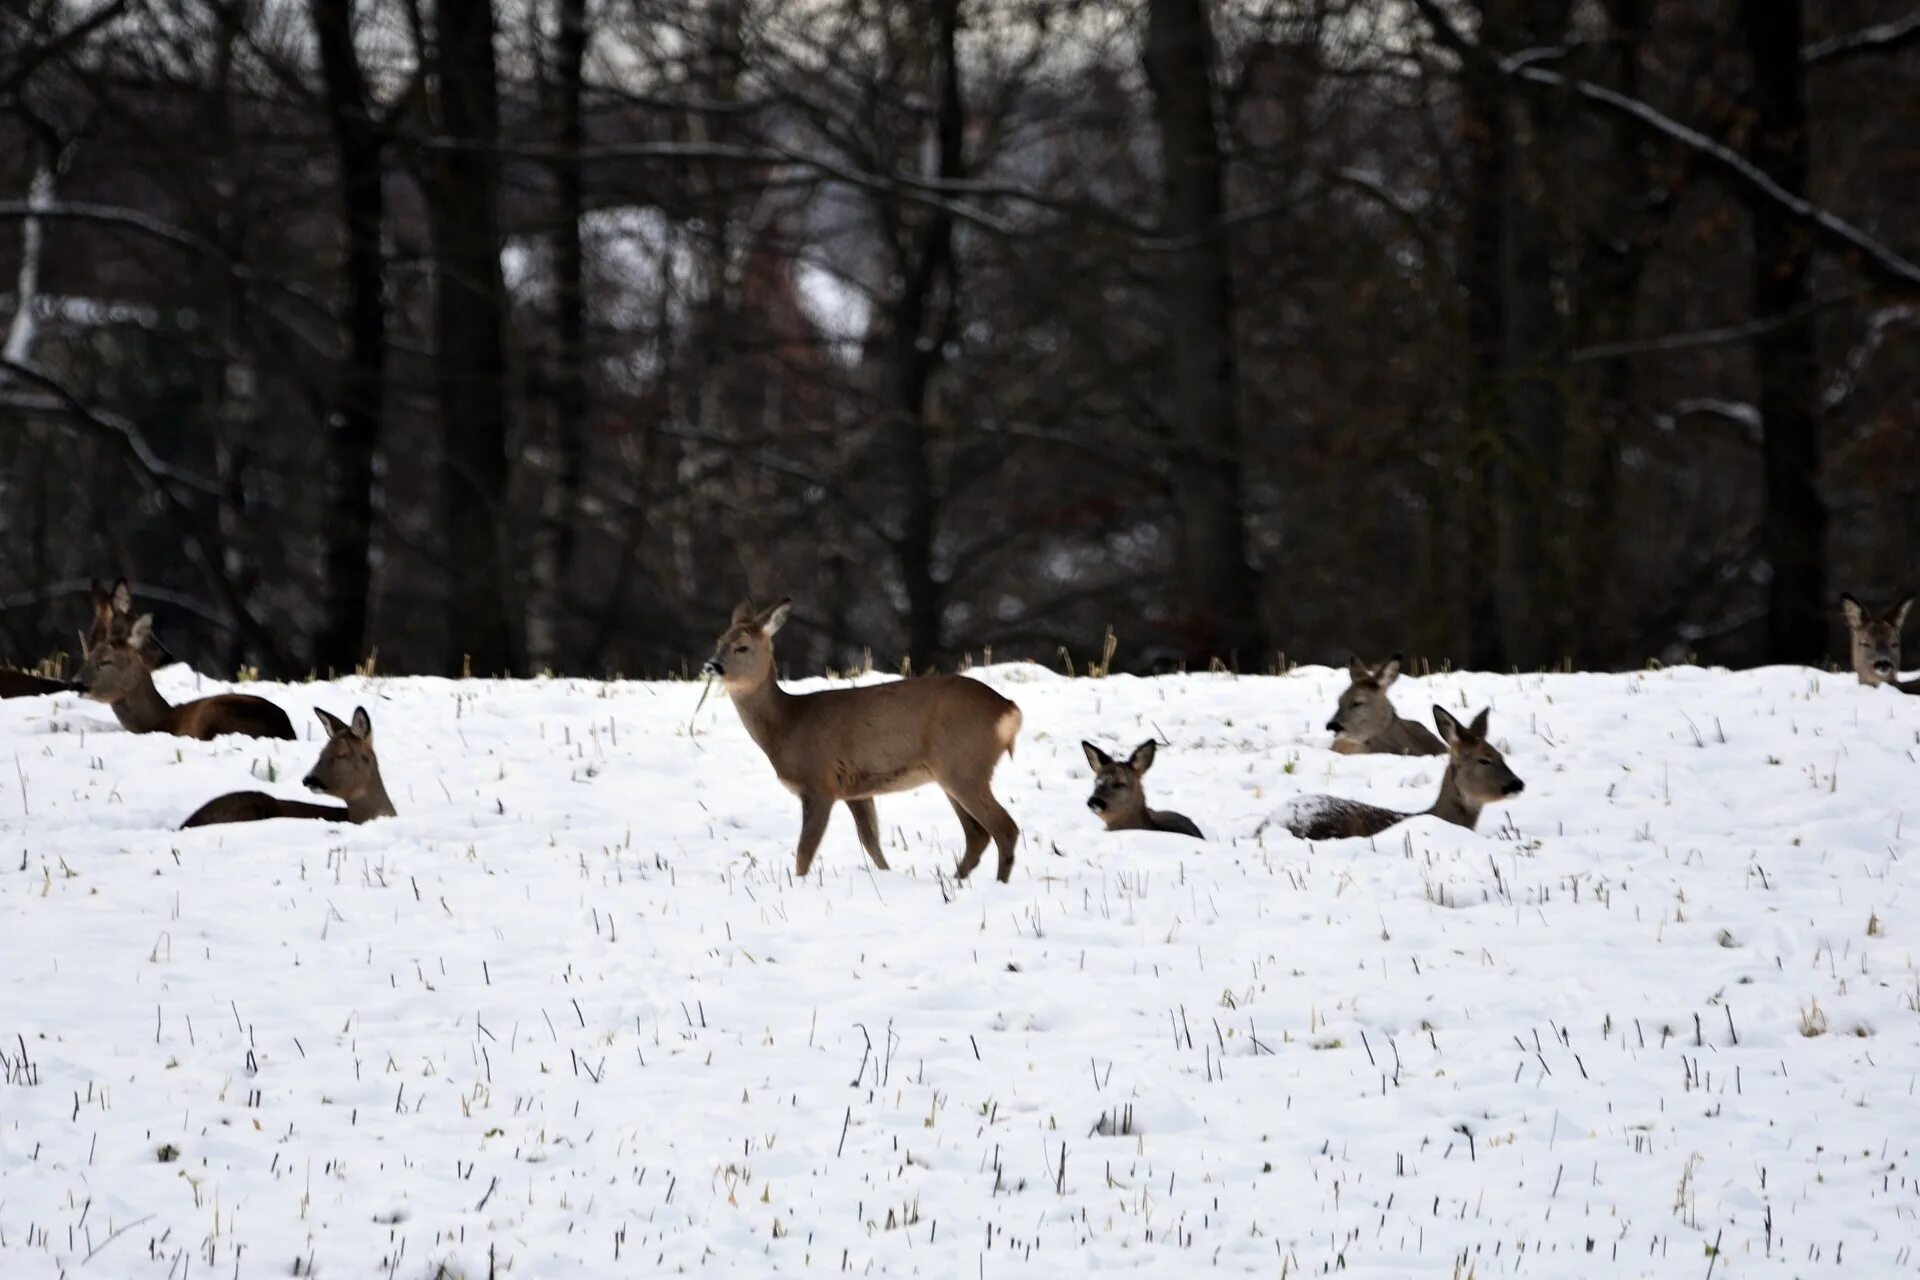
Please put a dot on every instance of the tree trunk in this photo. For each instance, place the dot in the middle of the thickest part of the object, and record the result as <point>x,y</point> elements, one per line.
<point>470,332</point>
<point>1217,591</point>
<point>560,492</point>
<point>1534,533</point>
<point>1483,281</point>
<point>353,425</point>
<point>1794,525</point>
<point>922,326</point>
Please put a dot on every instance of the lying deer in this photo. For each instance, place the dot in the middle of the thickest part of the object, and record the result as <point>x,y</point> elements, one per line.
<point>1477,775</point>
<point>1876,643</point>
<point>111,610</point>
<point>115,672</point>
<point>1120,800</point>
<point>346,770</point>
<point>1365,722</point>
<point>850,745</point>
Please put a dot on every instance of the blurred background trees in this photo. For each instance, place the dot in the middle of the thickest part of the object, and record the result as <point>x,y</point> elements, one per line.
<point>529,334</point>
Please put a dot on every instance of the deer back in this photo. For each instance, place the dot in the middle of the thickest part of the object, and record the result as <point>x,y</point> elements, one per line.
<point>258,806</point>
<point>224,713</point>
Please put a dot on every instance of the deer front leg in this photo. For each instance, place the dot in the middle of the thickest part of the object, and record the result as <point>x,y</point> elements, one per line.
<point>866,821</point>
<point>814,812</point>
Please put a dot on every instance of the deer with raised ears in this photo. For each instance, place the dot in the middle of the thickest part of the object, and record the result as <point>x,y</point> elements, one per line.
<point>1477,775</point>
<point>847,746</point>
<point>347,770</point>
<point>115,672</point>
<point>1365,722</point>
<point>25,684</point>
<point>1876,643</point>
<point>1120,800</point>
<point>113,619</point>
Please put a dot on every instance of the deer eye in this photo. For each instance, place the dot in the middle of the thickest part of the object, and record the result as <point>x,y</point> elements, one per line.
<point>740,648</point>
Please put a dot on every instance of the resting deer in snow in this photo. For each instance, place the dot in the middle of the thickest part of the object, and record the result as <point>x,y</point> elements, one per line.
<point>1876,643</point>
<point>1365,722</point>
<point>1476,776</point>
<point>115,672</point>
<point>347,770</point>
<point>1121,801</point>
<point>112,611</point>
<point>850,745</point>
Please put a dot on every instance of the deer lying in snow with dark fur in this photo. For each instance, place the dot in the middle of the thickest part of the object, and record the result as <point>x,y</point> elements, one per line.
<point>1876,643</point>
<point>1365,722</point>
<point>1121,801</point>
<point>847,746</point>
<point>1477,775</point>
<point>346,770</point>
<point>116,672</point>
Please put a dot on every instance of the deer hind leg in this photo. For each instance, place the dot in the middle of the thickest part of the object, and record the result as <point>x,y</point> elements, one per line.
<point>866,821</point>
<point>983,817</point>
<point>814,812</point>
<point>976,836</point>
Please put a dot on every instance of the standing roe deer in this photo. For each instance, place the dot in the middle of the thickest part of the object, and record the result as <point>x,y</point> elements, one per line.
<point>115,673</point>
<point>1121,801</point>
<point>346,770</point>
<point>1876,643</point>
<point>1477,775</point>
<point>850,745</point>
<point>1365,722</point>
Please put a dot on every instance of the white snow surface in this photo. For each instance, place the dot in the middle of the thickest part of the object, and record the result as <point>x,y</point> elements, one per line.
<point>570,1014</point>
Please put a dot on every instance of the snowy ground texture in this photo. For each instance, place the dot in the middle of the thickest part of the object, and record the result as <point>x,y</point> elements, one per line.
<point>570,1014</point>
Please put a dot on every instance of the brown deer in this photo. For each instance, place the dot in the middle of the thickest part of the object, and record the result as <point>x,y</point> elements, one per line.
<point>1120,800</point>
<point>116,673</point>
<point>1477,775</point>
<point>1876,643</point>
<point>1365,722</point>
<point>113,619</point>
<point>347,770</point>
<point>850,745</point>
<point>109,608</point>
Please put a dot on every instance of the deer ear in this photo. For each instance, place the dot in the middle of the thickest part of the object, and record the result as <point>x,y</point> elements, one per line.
<point>1899,615</point>
<point>362,724</point>
<point>330,722</point>
<point>1390,671</point>
<point>1855,615</point>
<point>1142,758</point>
<point>775,618</point>
<point>1096,758</point>
<point>1357,670</point>
<point>743,613</point>
<point>1479,726</point>
<point>1450,731</point>
<point>122,597</point>
<point>142,631</point>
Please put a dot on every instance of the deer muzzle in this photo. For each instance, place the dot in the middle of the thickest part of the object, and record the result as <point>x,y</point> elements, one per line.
<point>711,667</point>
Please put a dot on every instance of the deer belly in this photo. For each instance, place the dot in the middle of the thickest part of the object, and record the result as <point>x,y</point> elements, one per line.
<point>853,780</point>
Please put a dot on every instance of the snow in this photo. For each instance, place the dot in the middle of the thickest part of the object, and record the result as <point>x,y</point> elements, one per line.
<point>568,1014</point>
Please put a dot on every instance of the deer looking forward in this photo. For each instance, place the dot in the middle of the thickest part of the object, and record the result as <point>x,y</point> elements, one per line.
<point>850,745</point>
<point>1365,722</point>
<point>347,770</point>
<point>1876,643</point>
<point>1120,800</point>
<point>106,620</point>
<point>115,672</point>
<point>1477,775</point>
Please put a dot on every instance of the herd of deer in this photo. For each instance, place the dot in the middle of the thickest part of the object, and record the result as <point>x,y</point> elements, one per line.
<point>848,746</point>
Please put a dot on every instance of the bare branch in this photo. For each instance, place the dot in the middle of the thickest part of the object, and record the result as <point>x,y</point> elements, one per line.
<point>1882,37</point>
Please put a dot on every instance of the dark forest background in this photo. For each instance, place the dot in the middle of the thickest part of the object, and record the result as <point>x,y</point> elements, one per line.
<point>531,333</point>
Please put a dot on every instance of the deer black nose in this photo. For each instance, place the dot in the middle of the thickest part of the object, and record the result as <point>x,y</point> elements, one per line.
<point>1096,803</point>
<point>1883,667</point>
<point>1333,725</point>
<point>711,667</point>
<point>311,782</point>
<point>1515,787</point>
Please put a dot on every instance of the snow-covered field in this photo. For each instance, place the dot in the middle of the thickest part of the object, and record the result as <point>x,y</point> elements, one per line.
<point>570,1015</point>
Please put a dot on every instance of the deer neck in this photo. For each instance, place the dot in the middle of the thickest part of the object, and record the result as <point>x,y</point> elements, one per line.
<point>1452,806</point>
<point>766,710</point>
<point>372,802</point>
<point>144,709</point>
